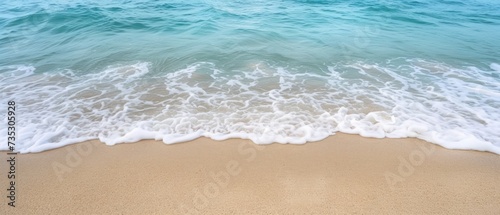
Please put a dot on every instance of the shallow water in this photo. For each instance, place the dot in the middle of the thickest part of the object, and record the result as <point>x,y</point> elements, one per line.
<point>271,71</point>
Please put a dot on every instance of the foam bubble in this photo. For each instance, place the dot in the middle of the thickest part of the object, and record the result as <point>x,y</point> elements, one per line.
<point>454,107</point>
<point>495,67</point>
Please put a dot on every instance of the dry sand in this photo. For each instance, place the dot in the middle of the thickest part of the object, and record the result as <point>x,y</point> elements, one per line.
<point>344,174</point>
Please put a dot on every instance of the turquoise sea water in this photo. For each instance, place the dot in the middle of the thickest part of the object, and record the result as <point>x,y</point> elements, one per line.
<point>289,71</point>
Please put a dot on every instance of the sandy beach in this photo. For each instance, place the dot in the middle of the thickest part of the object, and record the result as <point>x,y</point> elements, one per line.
<point>344,174</point>
<point>127,107</point>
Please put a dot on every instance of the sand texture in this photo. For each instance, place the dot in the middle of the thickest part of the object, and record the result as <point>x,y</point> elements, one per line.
<point>343,174</point>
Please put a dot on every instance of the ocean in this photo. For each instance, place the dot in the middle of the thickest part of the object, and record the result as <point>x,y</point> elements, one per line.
<point>285,71</point>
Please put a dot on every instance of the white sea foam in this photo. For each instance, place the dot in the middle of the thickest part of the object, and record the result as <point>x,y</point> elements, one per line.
<point>457,108</point>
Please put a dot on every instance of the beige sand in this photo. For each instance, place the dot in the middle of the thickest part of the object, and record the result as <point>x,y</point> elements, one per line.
<point>344,174</point>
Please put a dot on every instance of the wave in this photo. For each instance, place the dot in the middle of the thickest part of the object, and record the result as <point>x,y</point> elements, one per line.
<point>455,107</point>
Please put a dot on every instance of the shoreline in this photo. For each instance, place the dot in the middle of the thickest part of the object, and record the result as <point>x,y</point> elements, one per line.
<point>341,174</point>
